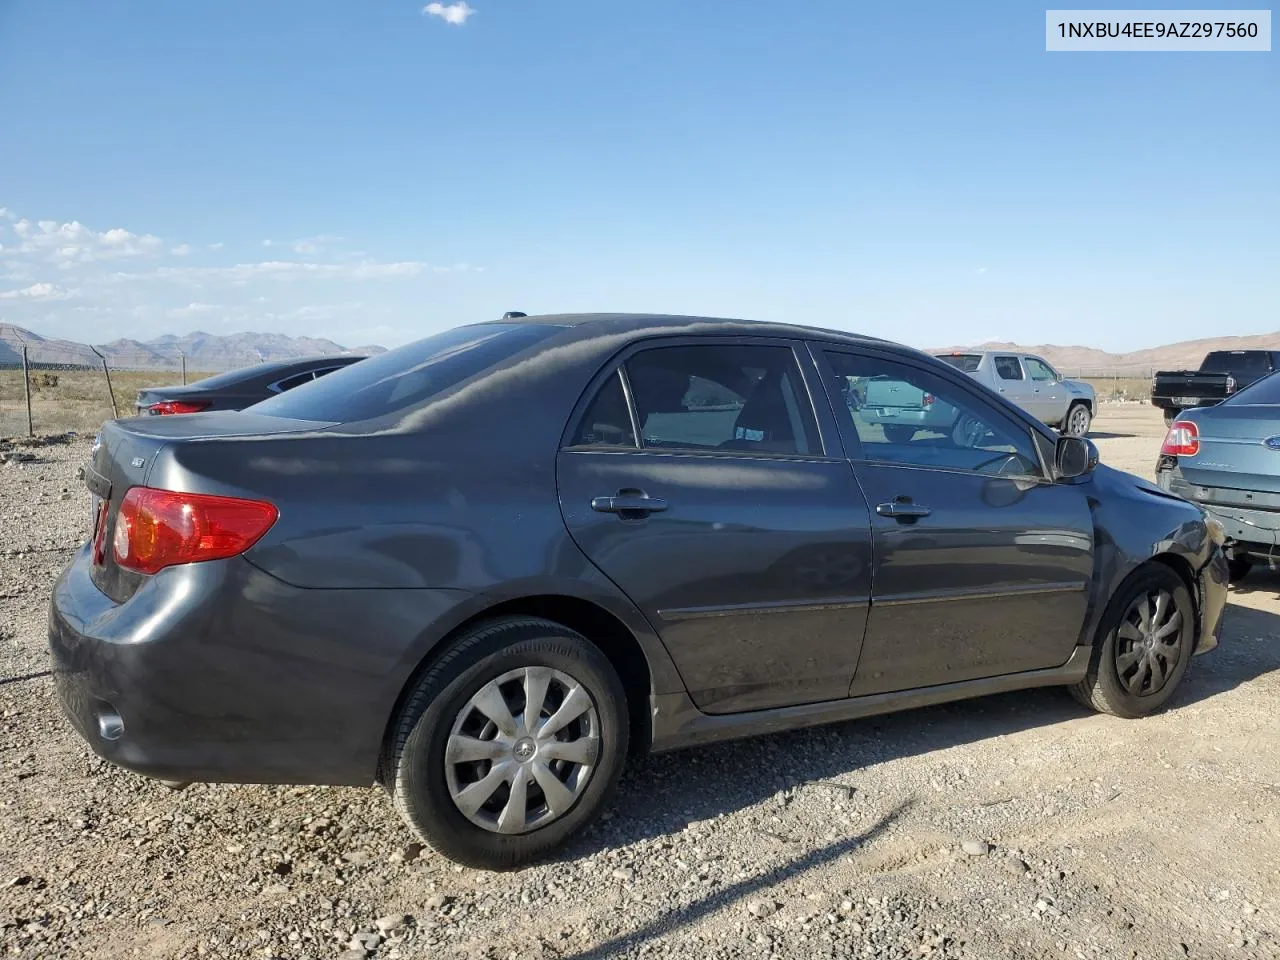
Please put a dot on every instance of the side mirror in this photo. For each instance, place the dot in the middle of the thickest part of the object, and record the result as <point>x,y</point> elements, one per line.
<point>1075,457</point>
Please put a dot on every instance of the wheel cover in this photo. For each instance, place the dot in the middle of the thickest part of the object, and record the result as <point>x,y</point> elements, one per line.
<point>522,750</point>
<point>1078,425</point>
<point>1149,643</point>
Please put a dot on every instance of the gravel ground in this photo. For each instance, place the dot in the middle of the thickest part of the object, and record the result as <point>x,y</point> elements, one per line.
<point>1013,826</point>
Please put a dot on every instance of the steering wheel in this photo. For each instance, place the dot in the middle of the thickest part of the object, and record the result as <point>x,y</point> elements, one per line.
<point>1010,467</point>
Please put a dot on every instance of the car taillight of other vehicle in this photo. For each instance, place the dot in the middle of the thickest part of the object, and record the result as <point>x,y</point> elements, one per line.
<point>1182,440</point>
<point>166,408</point>
<point>162,528</point>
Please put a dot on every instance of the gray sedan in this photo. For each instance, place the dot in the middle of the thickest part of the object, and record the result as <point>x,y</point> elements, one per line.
<point>1227,459</point>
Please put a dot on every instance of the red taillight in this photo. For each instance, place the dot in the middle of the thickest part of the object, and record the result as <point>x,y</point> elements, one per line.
<point>160,528</point>
<point>1231,384</point>
<point>929,399</point>
<point>1182,440</point>
<point>166,407</point>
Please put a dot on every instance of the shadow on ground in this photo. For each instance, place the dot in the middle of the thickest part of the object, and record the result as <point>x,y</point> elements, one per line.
<point>660,795</point>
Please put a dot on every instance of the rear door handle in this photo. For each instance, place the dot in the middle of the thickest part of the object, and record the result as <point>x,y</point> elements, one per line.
<point>636,504</point>
<point>903,510</point>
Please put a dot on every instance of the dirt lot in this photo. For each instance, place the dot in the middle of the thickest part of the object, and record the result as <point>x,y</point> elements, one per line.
<point>1108,838</point>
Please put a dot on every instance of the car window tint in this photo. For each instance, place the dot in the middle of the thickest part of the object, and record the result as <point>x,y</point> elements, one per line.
<point>1038,369</point>
<point>1251,363</point>
<point>607,422</point>
<point>297,380</point>
<point>966,362</point>
<point>402,378</point>
<point>736,397</point>
<point>241,375</point>
<point>1008,368</point>
<point>902,414</point>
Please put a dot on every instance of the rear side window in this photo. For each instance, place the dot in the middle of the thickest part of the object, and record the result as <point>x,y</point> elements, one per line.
<point>1008,368</point>
<point>404,377</point>
<point>964,362</point>
<point>607,422</point>
<point>737,397</point>
<point>297,380</point>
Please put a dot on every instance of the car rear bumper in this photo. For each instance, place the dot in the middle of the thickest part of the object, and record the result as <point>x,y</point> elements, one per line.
<point>219,672</point>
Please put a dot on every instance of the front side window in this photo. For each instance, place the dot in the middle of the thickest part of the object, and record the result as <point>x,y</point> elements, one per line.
<point>731,397</point>
<point>1039,370</point>
<point>903,414</point>
<point>1008,368</point>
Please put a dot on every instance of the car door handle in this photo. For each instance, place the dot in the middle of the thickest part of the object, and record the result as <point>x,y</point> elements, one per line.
<point>638,504</point>
<point>903,510</point>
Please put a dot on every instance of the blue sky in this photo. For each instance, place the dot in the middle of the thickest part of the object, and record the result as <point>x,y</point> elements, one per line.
<point>370,171</point>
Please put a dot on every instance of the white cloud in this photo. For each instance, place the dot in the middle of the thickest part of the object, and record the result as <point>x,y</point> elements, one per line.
<point>981,271</point>
<point>73,242</point>
<point>454,13</point>
<point>288,270</point>
<point>215,246</point>
<point>7,214</point>
<point>181,250</point>
<point>38,291</point>
<point>192,310</point>
<point>309,246</point>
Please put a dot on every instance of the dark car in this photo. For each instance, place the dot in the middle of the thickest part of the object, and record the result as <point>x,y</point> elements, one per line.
<point>1221,374</point>
<point>237,389</point>
<point>1227,458</point>
<point>479,567</point>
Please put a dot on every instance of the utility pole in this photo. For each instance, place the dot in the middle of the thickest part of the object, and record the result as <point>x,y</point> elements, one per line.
<point>107,374</point>
<point>26,389</point>
<point>183,357</point>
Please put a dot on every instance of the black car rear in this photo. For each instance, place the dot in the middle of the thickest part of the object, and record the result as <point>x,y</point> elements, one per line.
<point>237,389</point>
<point>1221,374</point>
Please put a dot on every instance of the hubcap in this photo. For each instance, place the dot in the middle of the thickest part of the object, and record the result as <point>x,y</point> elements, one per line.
<point>522,750</point>
<point>1079,422</point>
<point>1149,643</point>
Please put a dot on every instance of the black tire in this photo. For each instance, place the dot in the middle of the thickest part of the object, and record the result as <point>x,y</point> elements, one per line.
<point>1170,415</point>
<point>1078,420</point>
<point>1238,568</point>
<point>1103,688</point>
<point>897,433</point>
<point>415,768</point>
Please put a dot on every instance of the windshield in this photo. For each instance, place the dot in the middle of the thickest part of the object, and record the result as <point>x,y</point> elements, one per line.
<point>964,362</point>
<point>404,377</point>
<point>1247,364</point>
<point>1264,392</point>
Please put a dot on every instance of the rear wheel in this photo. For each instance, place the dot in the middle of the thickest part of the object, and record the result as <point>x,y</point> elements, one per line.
<point>1143,645</point>
<point>1170,415</point>
<point>897,433</point>
<point>1238,568</point>
<point>509,744</point>
<point>1078,420</point>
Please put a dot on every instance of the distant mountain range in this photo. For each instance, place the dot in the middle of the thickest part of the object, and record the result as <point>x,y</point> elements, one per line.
<point>204,352</point>
<point>1138,363</point>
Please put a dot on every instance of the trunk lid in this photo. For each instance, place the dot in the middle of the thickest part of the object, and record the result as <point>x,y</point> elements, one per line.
<point>122,457</point>
<point>1234,452</point>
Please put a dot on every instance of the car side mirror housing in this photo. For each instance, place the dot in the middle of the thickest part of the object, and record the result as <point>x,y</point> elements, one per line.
<point>1074,457</point>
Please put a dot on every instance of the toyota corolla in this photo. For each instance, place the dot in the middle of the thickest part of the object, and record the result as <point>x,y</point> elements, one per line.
<point>477,569</point>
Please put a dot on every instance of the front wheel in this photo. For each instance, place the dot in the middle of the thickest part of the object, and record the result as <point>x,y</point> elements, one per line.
<point>1238,568</point>
<point>1143,645</point>
<point>1078,420</point>
<point>509,744</point>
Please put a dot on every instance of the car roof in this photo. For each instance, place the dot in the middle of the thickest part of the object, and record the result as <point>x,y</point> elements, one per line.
<point>592,324</point>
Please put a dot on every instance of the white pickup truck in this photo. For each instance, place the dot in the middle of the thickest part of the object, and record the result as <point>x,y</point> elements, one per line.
<point>903,410</point>
<point>1032,384</point>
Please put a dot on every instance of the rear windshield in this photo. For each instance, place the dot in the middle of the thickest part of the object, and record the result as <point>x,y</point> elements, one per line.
<point>232,377</point>
<point>964,362</point>
<point>1252,363</point>
<point>1265,392</point>
<point>404,377</point>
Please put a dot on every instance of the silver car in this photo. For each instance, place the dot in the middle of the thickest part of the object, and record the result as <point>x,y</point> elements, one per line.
<point>1032,384</point>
